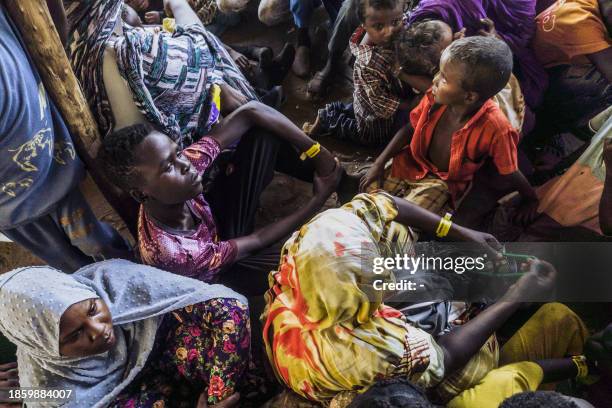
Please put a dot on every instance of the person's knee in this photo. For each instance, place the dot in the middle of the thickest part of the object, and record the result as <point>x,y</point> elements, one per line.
<point>273,12</point>
<point>227,6</point>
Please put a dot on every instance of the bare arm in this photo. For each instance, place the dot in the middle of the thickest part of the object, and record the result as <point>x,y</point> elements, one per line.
<point>182,12</point>
<point>323,187</point>
<point>465,341</point>
<point>375,173</point>
<point>603,61</point>
<point>257,114</point>
<point>58,14</point>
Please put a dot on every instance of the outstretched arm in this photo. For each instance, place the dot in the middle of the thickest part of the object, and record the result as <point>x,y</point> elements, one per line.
<point>257,114</point>
<point>465,341</point>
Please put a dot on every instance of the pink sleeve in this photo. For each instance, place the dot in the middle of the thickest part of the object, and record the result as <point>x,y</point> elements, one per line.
<point>202,153</point>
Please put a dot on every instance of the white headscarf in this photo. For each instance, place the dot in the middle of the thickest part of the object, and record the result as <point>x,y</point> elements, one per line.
<point>32,301</point>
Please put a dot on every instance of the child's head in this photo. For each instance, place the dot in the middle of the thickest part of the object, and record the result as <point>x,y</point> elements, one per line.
<point>538,399</point>
<point>381,19</point>
<point>393,392</point>
<point>472,70</point>
<point>420,46</point>
<point>149,165</point>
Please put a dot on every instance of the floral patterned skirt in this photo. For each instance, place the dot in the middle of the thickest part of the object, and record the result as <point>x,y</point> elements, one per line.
<point>200,348</point>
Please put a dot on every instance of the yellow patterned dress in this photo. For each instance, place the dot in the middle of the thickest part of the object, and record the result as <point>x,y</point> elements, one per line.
<point>326,329</point>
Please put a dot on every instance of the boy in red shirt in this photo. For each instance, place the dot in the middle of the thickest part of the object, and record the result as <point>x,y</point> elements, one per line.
<point>453,131</point>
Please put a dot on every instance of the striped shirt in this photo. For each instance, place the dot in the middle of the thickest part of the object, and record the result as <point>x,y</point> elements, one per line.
<point>377,90</point>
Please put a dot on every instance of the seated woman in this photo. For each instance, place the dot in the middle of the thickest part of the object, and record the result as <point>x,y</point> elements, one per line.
<point>328,333</point>
<point>133,75</point>
<point>120,334</point>
<point>176,228</point>
<point>572,43</point>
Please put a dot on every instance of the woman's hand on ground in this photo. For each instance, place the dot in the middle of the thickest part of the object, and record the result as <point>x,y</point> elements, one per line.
<point>152,17</point>
<point>324,186</point>
<point>374,173</point>
<point>9,375</point>
<point>231,401</point>
<point>538,282</point>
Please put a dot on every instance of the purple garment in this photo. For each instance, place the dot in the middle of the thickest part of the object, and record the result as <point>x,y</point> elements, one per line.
<point>515,23</point>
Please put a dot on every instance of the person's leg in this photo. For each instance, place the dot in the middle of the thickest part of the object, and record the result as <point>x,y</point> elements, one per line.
<point>273,12</point>
<point>302,12</point>
<point>554,331</point>
<point>48,241</point>
<point>234,198</point>
<point>345,24</point>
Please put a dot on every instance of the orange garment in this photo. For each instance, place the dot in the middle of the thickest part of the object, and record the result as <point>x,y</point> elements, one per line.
<point>488,134</point>
<point>568,31</point>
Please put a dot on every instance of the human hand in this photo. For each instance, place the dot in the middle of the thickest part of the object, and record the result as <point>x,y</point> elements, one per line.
<point>598,350</point>
<point>152,17</point>
<point>489,28</point>
<point>9,378</point>
<point>488,242</point>
<point>527,212</point>
<point>9,375</point>
<point>459,34</point>
<point>324,186</point>
<point>231,401</point>
<point>243,62</point>
<point>535,284</point>
<point>374,173</point>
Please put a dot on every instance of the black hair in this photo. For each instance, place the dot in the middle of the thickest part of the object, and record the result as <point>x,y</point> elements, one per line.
<point>538,399</point>
<point>487,64</point>
<point>362,5</point>
<point>396,392</point>
<point>417,47</point>
<point>116,155</point>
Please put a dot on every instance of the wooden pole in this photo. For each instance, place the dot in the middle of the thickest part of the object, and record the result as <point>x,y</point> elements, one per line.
<point>45,48</point>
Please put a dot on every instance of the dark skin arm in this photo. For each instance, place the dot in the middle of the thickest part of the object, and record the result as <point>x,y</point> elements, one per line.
<point>323,187</point>
<point>605,204</point>
<point>603,61</point>
<point>412,215</point>
<point>58,14</point>
<point>376,172</point>
<point>256,114</point>
<point>465,341</point>
<point>528,210</point>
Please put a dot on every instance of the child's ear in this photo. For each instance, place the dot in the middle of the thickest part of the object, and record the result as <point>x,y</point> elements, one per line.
<point>138,195</point>
<point>471,97</point>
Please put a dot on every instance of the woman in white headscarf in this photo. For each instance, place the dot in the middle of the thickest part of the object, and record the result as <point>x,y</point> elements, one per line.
<point>125,335</point>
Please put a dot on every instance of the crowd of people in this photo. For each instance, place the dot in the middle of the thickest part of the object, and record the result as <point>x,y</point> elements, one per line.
<point>470,105</point>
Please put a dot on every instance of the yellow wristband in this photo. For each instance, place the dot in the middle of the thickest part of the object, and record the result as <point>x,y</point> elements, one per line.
<point>581,366</point>
<point>444,226</point>
<point>311,152</point>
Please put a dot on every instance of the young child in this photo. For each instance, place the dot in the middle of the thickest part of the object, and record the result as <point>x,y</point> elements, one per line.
<point>176,228</point>
<point>372,118</point>
<point>455,129</point>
